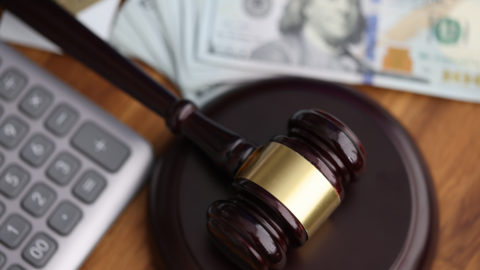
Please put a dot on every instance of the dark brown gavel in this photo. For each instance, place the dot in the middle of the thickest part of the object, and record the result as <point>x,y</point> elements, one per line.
<point>286,189</point>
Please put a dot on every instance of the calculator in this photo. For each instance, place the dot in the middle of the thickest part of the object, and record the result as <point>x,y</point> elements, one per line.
<point>67,168</point>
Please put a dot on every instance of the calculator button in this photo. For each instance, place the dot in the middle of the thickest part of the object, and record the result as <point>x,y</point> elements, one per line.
<point>63,168</point>
<point>65,218</point>
<point>36,102</point>
<point>37,150</point>
<point>100,146</point>
<point>3,259</point>
<point>61,120</point>
<point>12,83</point>
<point>39,199</point>
<point>89,187</point>
<point>15,267</point>
<point>39,250</point>
<point>12,180</point>
<point>12,131</point>
<point>14,230</point>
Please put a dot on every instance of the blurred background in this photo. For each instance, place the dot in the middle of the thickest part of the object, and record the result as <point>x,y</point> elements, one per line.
<point>419,59</point>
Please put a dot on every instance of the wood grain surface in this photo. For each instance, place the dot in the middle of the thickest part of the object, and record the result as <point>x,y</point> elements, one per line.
<point>447,133</point>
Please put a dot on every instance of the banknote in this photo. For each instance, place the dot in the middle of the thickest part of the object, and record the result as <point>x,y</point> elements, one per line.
<point>431,47</point>
<point>426,46</point>
<point>207,46</point>
<point>201,81</point>
<point>127,41</point>
<point>142,17</point>
<point>319,38</point>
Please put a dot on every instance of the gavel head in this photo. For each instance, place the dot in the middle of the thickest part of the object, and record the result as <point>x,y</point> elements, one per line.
<point>285,190</point>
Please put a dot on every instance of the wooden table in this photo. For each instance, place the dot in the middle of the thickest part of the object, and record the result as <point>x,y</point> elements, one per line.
<point>447,133</point>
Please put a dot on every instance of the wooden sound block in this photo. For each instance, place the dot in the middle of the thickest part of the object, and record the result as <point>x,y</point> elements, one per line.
<point>388,217</point>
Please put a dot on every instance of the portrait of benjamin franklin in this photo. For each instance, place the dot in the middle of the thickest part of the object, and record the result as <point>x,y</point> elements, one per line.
<point>317,33</point>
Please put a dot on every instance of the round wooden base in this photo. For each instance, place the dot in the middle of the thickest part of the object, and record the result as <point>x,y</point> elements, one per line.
<point>388,217</point>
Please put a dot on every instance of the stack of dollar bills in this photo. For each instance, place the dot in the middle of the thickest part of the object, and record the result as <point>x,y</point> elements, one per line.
<point>206,47</point>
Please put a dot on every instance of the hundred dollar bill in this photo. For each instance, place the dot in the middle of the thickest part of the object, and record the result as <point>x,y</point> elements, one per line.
<point>426,46</point>
<point>431,47</point>
<point>317,38</point>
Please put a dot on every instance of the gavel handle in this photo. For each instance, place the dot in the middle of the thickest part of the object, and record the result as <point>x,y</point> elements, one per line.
<point>224,147</point>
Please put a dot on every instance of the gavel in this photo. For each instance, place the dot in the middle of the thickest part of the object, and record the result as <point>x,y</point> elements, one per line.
<point>284,190</point>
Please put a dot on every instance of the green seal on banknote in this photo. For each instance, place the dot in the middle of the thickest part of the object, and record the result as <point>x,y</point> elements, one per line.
<point>447,31</point>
